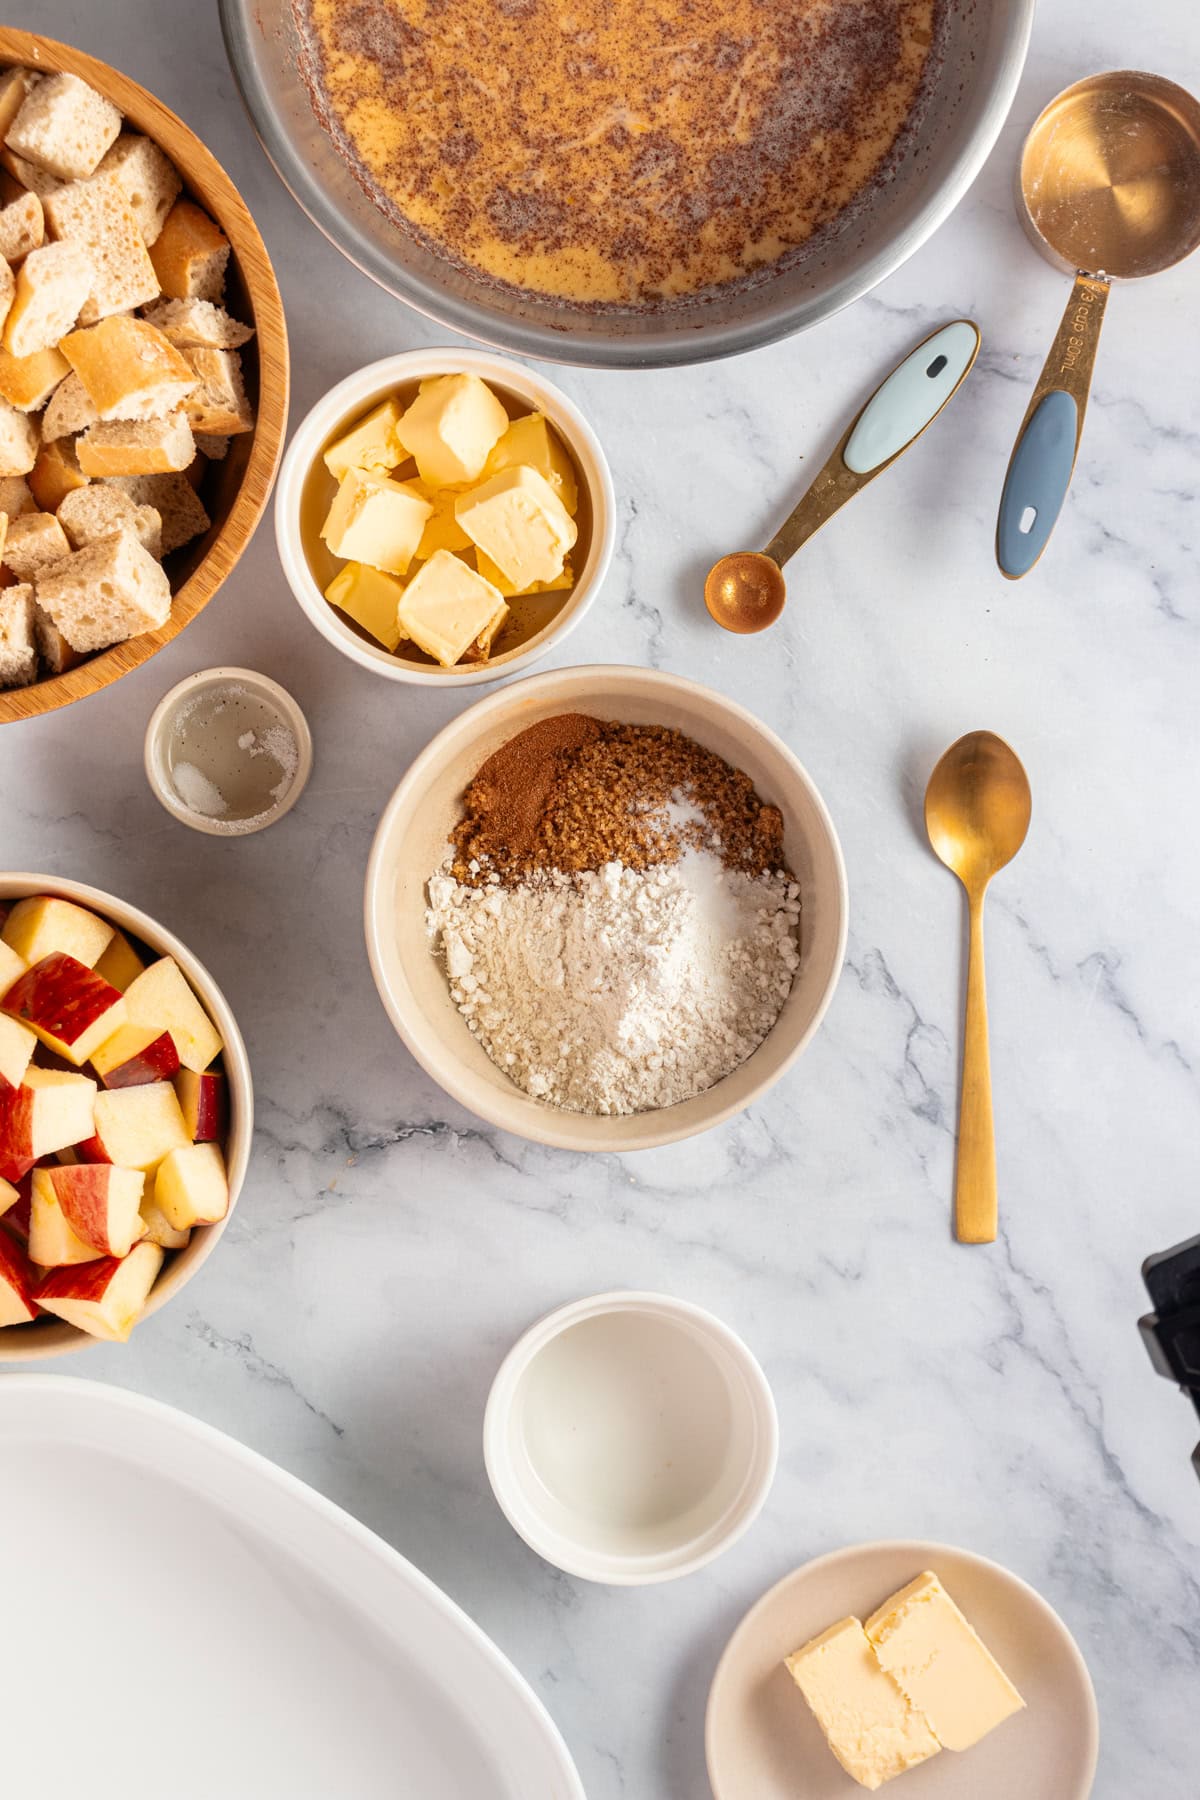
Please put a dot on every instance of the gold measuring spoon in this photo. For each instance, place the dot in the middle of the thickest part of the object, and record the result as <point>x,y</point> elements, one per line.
<point>745,591</point>
<point>977,808</point>
<point>1109,186</point>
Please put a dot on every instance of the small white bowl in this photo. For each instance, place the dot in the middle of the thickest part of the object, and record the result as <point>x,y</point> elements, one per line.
<point>51,1337</point>
<point>156,751</point>
<point>347,402</point>
<point>410,845</point>
<point>630,1438</point>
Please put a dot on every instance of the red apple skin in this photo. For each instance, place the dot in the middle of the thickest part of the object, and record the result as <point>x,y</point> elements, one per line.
<point>79,1281</point>
<point>159,1061</point>
<point>17,1272</point>
<point>204,1100</point>
<point>82,1193</point>
<point>91,1150</point>
<point>17,1216</point>
<point>16,1133</point>
<point>60,996</point>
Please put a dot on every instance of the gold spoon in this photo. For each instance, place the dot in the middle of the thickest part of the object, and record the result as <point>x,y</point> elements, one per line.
<point>977,808</point>
<point>745,591</point>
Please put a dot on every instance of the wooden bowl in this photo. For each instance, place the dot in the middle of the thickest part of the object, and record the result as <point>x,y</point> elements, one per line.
<point>234,491</point>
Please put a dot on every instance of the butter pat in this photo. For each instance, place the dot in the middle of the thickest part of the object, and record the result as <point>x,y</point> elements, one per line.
<point>451,427</point>
<point>371,444</point>
<point>868,1724</point>
<point>518,521</point>
<point>375,520</point>
<point>487,568</point>
<point>447,607</point>
<point>534,442</point>
<point>939,1663</point>
<point>442,530</point>
<point>371,598</point>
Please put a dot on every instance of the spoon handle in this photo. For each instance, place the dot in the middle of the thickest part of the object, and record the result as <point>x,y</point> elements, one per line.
<point>975,1176</point>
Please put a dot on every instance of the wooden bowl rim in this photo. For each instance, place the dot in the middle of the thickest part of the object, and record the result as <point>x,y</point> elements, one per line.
<point>142,109</point>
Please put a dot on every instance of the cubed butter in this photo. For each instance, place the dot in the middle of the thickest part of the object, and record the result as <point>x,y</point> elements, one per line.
<point>442,530</point>
<point>371,444</point>
<point>869,1725</point>
<point>518,521</point>
<point>375,520</point>
<point>371,598</point>
<point>448,606</point>
<point>534,442</point>
<point>451,427</point>
<point>487,568</point>
<point>940,1664</point>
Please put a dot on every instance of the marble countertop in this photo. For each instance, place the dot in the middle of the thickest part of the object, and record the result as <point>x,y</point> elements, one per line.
<point>388,1248</point>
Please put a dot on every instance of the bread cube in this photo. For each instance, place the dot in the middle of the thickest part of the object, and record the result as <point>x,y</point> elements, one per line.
<point>518,521</point>
<point>148,179</point>
<point>27,382</point>
<point>18,646</point>
<point>219,404</point>
<point>96,511</point>
<point>371,444</point>
<point>63,126</point>
<point>18,441</point>
<point>95,215</point>
<point>70,410</point>
<point>55,473</point>
<point>34,542</point>
<point>211,448</point>
<point>174,499</point>
<point>451,428</point>
<point>198,325</point>
<point>53,648</point>
<point>105,593</point>
<point>375,520</point>
<point>15,86</point>
<point>8,289</point>
<point>369,597</point>
<point>28,175</point>
<point>22,227</point>
<point>51,285</point>
<point>446,606</point>
<point>128,369</point>
<point>534,442</point>
<point>190,255</point>
<point>136,446</point>
<point>15,497</point>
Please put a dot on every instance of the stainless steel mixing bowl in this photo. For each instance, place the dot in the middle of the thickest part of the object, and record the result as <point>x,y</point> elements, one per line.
<point>985,49</point>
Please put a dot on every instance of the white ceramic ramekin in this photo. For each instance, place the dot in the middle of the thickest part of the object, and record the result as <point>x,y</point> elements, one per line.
<point>356,395</point>
<point>157,746</point>
<point>630,1438</point>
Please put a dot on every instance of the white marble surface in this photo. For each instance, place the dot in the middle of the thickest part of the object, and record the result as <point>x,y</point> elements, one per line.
<point>387,1249</point>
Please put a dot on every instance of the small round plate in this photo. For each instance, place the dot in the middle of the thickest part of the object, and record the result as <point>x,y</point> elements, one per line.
<point>762,1742</point>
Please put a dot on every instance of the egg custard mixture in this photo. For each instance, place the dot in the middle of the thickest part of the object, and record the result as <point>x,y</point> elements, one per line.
<point>623,153</point>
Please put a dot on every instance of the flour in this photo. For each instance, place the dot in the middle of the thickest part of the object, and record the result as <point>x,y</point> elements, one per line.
<point>619,991</point>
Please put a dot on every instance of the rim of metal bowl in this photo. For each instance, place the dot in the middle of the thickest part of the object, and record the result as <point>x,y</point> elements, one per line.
<point>692,342</point>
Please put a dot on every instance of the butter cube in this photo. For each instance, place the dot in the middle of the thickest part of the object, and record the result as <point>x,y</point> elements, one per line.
<point>534,442</point>
<point>498,579</point>
<point>375,520</point>
<point>442,530</point>
<point>448,606</point>
<point>451,427</point>
<point>371,444</point>
<point>939,1663</point>
<point>869,1725</point>
<point>518,521</point>
<point>371,598</point>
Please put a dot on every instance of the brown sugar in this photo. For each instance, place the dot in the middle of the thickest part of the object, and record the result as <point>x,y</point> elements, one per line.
<point>573,792</point>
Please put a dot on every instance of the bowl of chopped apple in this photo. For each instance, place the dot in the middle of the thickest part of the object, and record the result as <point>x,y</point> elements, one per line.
<point>444,517</point>
<point>126,1113</point>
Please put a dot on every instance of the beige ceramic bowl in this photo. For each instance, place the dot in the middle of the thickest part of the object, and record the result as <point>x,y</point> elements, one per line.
<point>306,489</point>
<point>51,1337</point>
<point>410,845</point>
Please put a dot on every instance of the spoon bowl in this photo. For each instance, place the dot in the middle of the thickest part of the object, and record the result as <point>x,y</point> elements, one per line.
<point>745,591</point>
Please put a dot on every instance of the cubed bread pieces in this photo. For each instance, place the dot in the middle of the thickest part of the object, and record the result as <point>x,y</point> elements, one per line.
<point>15,497</point>
<point>96,215</point>
<point>35,541</point>
<point>27,382</point>
<point>8,288</point>
<point>147,177</point>
<point>28,175</point>
<point>174,499</point>
<point>214,449</point>
<point>53,648</point>
<point>18,647</point>
<point>55,473</point>
<point>219,404</point>
<point>71,409</point>
<point>190,255</point>
<point>15,87</point>
<point>22,227</point>
<point>129,369</point>
<point>18,441</point>
<point>109,591</point>
<point>136,446</point>
<point>52,284</point>
<point>63,126</point>
<point>98,510</point>
<point>197,324</point>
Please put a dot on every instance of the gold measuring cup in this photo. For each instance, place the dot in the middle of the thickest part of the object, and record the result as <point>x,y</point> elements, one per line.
<point>1109,187</point>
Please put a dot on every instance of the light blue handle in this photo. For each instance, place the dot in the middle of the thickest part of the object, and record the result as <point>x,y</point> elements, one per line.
<point>911,397</point>
<point>1037,482</point>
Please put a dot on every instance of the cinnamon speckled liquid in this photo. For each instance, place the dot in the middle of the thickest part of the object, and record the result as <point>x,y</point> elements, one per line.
<point>616,152</point>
